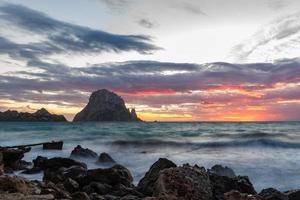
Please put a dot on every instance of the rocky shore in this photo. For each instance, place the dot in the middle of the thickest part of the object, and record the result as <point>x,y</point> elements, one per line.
<point>68,178</point>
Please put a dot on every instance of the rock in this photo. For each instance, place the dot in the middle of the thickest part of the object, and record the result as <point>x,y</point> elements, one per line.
<point>1,164</point>
<point>96,187</point>
<point>293,194</point>
<point>57,192</point>
<point>19,196</point>
<point>184,182</point>
<point>146,184</point>
<point>222,171</point>
<point>41,115</point>
<point>113,176</point>
<point>236,195</point>
<point>32,171</point>
<point>223,184</point>
<point>105,158</point>
<point>70,185</point>
<point>74,172</point>
<point>104,105</point>
<point>16,184</point>
<point>273,194</point>
<point>12,158</point>
<point>80,196</point>
<point>81,152</point>
<point>56,163</point>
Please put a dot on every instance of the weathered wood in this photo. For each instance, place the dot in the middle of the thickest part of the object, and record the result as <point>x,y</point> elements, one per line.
<point>54,145</point>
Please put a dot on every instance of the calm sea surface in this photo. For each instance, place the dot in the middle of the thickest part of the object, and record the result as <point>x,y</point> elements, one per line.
<point>269,153</point>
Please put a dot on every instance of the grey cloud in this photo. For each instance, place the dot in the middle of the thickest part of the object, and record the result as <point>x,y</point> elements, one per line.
<point>146,23</point>
<point>143,76</point>
<point>273,38</point>
<point>62,37</point>
<point>191,8</point>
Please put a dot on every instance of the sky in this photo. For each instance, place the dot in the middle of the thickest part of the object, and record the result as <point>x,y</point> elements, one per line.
<point>171,60</point>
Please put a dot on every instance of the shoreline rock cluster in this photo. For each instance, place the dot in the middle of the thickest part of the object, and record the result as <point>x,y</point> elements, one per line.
<point>67,178</point>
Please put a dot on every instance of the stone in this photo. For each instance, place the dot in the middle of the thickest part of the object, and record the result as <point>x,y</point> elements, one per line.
<point>104,105</point>
<point>223,184</point>
<point>41,115</point>
<point>105,158</point>
<point>20,196</point>
<point>184,182</point>
<point>146,184</point>
<point>112,176</point>
<point>56,163</point>
<point>84,153</point>
<point>70,185</point>
<point>273,194</point>
<point>222,171</point>
<point>80,196</point>
<point>16,184</point>
<point>236,195</point>
<point>12,158</point>
<point>55,190</point>
<point>97,187</point>
<point>293,194</point>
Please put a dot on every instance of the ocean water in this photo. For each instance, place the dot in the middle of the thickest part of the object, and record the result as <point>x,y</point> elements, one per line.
<point>269,153</point>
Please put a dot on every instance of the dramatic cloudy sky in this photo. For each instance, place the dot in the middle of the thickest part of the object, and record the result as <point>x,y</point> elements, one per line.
<point>173,60</point>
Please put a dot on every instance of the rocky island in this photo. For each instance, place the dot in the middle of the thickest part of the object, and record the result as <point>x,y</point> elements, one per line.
<point>105,105</point>
<point>41,115</point>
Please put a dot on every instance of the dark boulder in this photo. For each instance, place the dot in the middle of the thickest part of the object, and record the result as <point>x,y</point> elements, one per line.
<point>70,185</point>
<point>236,195</point>
<point>56,163</point>
<point>273,194</point>
<point>113,176</point>
<point>184,182</point>
<point>97,187</point>
<point>104,105</point>
<point>146,184</point>
<point>80,196</point>
<point>105,158</point>
<point>12,158</point>
<point>222,171</point>
<point>223,184</point>
<point>78,152</point>
<point>293,194</point>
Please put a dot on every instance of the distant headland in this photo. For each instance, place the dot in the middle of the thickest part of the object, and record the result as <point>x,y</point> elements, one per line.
<point>41,115</point>
<point>103,105</point>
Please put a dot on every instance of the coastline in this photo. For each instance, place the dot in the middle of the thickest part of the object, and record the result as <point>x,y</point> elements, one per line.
<point>70,178</point>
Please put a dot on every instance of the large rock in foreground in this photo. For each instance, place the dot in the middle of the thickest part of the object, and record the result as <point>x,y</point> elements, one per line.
<point>41,115</point>
<point>104,105</point>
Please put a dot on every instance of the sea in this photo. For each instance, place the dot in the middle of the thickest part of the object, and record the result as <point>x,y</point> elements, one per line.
<point>267,152</point>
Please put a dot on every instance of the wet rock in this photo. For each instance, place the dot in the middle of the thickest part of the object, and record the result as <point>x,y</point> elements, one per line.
<point>57,192</point>
<point>96,187</point>
<point>81,152</point>
<point>146,184</point>
<point>1,163</point>
<point>273,194</point>
<point>222,171</point>
<point>130,197</point>
<point>112,176</point>
<point>17,184</point>
<point>19,196</point>
<point>70,185</point>
<point>80,196</point>
<point>223,184</point>
<point>293,194</point>
<point>105,158</point>
<point>236,195</point>
<point>74,172</point>
<point>12,158</point>
<point>56,163</point>
<point>184,182</point>
<point>104,105</point>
